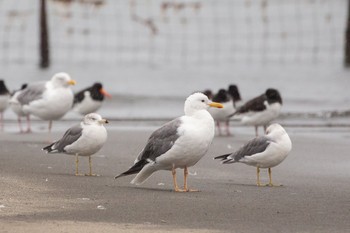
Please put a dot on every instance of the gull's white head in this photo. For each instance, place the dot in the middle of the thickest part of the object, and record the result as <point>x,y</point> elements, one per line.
<point>62,80</point>
<point>94,118</point>
<point>198,101</point>
<point>275,129</point>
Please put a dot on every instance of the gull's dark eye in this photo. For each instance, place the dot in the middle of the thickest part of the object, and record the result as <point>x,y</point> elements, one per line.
<point>203,101</point>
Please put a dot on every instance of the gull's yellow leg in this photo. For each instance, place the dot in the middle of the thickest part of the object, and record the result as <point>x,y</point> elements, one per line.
<point>77,165</point>
<point>270,179</point>
<point>258,176</point>
<point>90,167</point>
<point>176,187</point>
<point>186,189</point>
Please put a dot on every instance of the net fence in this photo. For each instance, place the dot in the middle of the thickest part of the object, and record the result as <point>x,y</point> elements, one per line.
<point>160,32</point>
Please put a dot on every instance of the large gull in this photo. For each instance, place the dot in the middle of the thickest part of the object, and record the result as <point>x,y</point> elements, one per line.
<point>261,110</point>
<point>17,108</point>
<point>48,100</point>
<point>262,152</point>
<point>4,98</point>
<point>180,143</point>
<point>90,99</point>
<point>84,139</point>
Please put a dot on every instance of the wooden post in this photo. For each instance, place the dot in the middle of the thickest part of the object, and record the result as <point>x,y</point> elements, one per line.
<point>44,37</point>
<point>347,39</point>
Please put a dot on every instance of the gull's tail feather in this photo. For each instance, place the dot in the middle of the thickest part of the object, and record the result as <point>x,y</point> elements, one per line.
<point>226,159</point>
<point>223,157</point>
<point>145,173</point>
<point>134,169</point>
<point>50,148</point>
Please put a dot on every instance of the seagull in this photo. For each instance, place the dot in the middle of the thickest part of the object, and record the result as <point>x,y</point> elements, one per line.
<point>261,110</point>
<point>180,143</point>
<point>90,99</point>
<point>4,98</point>
<point>235,95</point>
<point>222,114</point>
<point>84,139</point>
<point>262,152</point>
<point>16,107</point>
<point>48,100</point>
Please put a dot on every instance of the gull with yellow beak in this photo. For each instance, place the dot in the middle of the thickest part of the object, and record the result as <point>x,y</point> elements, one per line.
<point>48,100</point>
<point>84,139</point>
<point>180,143</point>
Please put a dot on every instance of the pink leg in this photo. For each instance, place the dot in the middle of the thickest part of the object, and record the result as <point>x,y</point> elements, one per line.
<point>19,124</point>
<point>228,128</point>
<point>29,128</point>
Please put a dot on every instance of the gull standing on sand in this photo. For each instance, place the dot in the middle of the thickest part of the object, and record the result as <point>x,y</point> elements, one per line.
<point>84,139</point>
<point>180,143</point>
<point>18,109</point>
<point>261,110</point>
<point>262,152</point>
<point>48,100</point>
<point>90,99</point>
<point>4,98</point>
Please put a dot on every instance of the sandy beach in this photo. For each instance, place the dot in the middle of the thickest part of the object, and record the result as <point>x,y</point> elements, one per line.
<point>39,192</point>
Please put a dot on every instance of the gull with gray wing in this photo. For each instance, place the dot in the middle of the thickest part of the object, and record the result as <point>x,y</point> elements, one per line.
<point>84,139</point>
<point>180,143</point>
<point>48,100</point>
<point>262,152</point>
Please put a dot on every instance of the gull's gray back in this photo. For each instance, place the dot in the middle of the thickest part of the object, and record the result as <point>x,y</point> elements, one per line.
<point>70,136</point>
<point>31,93</point>
<point>161,140</point>
<point>254,146</point>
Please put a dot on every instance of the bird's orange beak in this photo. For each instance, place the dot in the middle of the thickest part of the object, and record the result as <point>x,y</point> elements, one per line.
<point>72,82</point>
<point>216,105</point>
<point>105,93</point>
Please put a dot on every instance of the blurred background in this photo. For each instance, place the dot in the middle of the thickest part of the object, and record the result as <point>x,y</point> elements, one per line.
<point>151,54</point>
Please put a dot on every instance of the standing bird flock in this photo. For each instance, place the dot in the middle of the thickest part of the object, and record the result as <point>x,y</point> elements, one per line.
<point>180,143</point>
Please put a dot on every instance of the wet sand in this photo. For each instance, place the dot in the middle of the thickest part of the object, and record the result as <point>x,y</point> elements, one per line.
<point>39,192</point>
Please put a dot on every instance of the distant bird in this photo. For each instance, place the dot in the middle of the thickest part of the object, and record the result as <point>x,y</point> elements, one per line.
<point>90,99</point>
<point>208,93</point>
<point>261,110</point>
<point>262,152</point>
<point>180,143</point>
<point>222,114</point>
<point>48,100</point>
<point>84,139</point>
<point>235,95</point>
<point>17,108</point>
<point>4,98</point>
